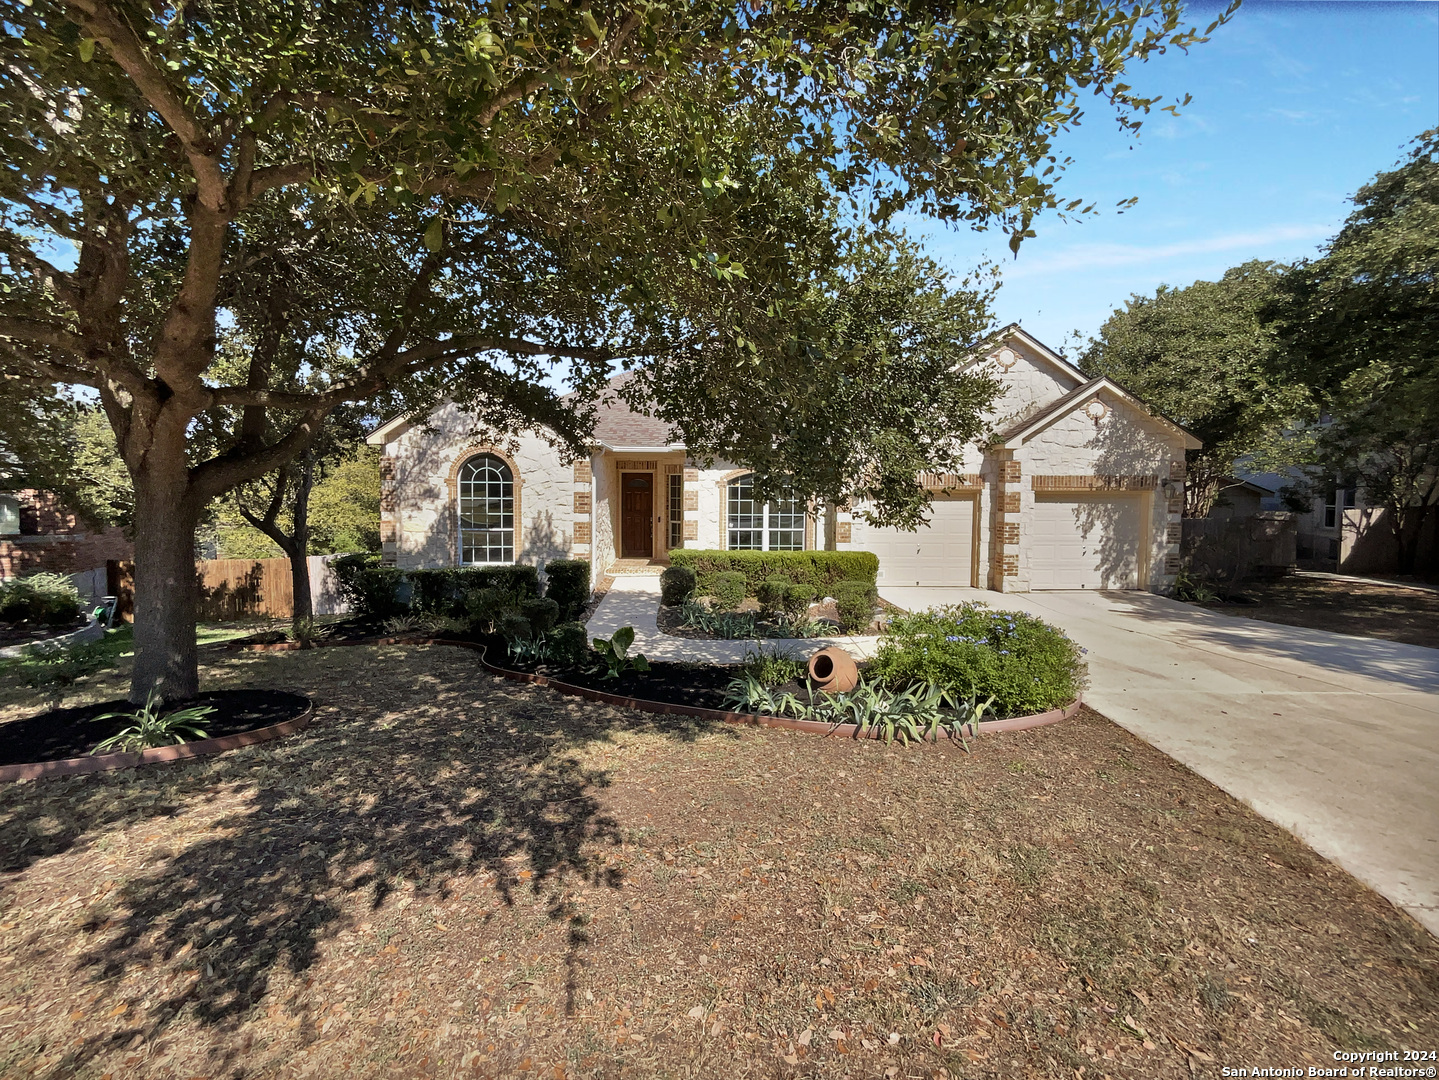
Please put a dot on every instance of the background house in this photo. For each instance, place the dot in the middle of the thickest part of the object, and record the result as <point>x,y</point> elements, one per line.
<point>37,532</point>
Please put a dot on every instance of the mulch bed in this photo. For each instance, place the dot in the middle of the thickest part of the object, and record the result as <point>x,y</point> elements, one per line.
<point>1344,607</point>
<point>670,621</point>
<point>72,732</point>
<point>26,633</point>
<point>451,875</point>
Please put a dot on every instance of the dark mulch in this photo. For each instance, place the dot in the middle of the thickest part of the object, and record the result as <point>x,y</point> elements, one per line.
<point>701,685</point>
<point>348,630</point>
<point>73,732</point>
<point>1344,607</point>
<point>24,633</point>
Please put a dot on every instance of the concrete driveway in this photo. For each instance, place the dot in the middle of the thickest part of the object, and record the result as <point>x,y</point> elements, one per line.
<point>1336,738</point>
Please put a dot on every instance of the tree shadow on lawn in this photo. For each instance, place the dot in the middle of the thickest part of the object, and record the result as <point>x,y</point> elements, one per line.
<point>404,777</point>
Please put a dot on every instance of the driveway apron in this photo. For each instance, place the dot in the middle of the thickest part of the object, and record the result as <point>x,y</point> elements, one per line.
<point>1335,738</point>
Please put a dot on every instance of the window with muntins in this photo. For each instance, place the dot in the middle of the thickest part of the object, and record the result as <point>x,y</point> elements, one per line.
<point>9,515</point>
<point>777,525</point>
<point>486,511</point>
<point>677,511</point>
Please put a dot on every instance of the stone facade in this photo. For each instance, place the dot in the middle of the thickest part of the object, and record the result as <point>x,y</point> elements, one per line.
<point>1055,433</point>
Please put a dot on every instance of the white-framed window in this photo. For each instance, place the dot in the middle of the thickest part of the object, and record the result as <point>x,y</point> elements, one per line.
<point>1336,501</point>
<point>9,515</point>
<point>777,525</point>
<point>486,511</point>
<point>677,510</point>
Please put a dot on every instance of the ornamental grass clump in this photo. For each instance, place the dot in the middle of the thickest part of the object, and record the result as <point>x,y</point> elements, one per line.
<point>1025,664</point>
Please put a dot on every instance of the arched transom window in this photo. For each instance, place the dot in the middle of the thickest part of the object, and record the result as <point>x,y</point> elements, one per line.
<point>777,525</point>
<point>487,510</point>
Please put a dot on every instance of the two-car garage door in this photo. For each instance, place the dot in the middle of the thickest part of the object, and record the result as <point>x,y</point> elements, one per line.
<point>1090,542</point>
<point>939,553</point>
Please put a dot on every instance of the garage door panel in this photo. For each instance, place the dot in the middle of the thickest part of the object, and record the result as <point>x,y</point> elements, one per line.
<point>938,553</point>
<point>1090,543</point>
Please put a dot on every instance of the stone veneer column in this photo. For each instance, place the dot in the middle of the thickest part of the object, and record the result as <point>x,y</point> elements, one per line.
<point>1004,534</point>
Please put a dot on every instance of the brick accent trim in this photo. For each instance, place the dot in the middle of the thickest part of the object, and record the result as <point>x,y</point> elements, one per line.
<point>692,499</point>
<point>1171,565</point>
<point>582,532</point>
<point>691,530</point>
<point>582,502</point>
<point>1009,472</point>
<point>1007,532</point>
<point>1009,565</point>
<point>635,465</point>
<point>949,481</point>
<point>1094,483</point>
<point>389,500</point>
<point>843,532</point>
<point>583,475</point>
<point>1007,502</point>
<point>1176,471</point>
<point>1173,533</point>
<point>674,470</point>
<point>692,476</point>
<point>452,488</point>
<point>1176,506</point>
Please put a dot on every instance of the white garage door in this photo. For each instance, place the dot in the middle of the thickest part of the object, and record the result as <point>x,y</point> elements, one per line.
<point>939,553</point>
<point>1085,543</point>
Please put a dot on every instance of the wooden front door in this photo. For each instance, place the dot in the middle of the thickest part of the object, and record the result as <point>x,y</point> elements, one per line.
<point>637,508</point>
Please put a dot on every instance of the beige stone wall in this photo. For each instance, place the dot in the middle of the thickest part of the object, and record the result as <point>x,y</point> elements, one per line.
<point>424,460</point>
<point>1125,443</point>
<point>1027,385</point>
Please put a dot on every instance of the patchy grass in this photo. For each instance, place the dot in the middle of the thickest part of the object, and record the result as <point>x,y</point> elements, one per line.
<point>1345,607</point>
<point>450,875</point>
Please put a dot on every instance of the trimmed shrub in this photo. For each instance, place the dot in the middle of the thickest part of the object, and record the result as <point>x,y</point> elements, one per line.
<point>381,591</point>
<point>854,603</point>
<point>51,599</point>
<point>569,646</point>
<point>542,615</point>
<point>797,599</point>
<point>1026,664</point>
<point>568,584</point>
<point>677,584</point>
<point>822,569</point>
<point>771,592</point>
<point>728,590</point>
<point>370,588</point>
<point>485,607</point>
<point>512,626</point>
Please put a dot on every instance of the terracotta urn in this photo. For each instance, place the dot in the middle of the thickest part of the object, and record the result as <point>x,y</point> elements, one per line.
<point>832,670</point>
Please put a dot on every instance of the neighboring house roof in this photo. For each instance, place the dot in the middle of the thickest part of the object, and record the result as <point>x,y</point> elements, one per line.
<point>1020,431</point>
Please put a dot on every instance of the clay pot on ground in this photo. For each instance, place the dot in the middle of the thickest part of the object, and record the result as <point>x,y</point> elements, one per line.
<point>833,670</point>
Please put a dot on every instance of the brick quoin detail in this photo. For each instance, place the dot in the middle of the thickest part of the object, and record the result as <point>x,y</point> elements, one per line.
<point>692,500</point>
<point>949,481</point>
<point>1008,502</point>
<point>1176,471</point>
<point>582,471</point>
<point>1171,564</point>
<point>692,476</point>
<point>582,532</point>
<point>582,502</point>
<point>1173,533</point>
<point>1008,533</point>
<point>1009,565</point>
<point>1093,483</point>
<point>1176,506</point>
<point>1009,472</point>
<point>843,532</point>
<point>692,530</point>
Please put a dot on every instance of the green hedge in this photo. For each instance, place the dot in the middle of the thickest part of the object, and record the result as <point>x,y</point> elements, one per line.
<point>821,569</point>
<point>45,598</point>
<point>568,584</point>
<point>383,591</point>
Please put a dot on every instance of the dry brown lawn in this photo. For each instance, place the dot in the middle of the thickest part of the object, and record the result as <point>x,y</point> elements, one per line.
<point>450,875</point>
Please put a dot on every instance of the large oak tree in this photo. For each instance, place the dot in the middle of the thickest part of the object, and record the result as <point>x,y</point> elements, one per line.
<point>526,183</point>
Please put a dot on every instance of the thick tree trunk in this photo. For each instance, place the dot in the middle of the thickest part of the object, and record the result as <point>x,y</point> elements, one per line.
<point>166,587</point>
<point>300,552</point>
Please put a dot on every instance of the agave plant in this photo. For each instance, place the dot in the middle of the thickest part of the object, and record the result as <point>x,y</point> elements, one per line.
<point>148,729</point>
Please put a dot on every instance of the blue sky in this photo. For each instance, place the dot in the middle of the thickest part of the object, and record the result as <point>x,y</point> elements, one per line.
<point>1296,105</point>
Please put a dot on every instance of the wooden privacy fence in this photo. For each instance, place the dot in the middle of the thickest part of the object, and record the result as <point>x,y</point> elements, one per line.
<point>229,589</point>
<point>1234,548</point>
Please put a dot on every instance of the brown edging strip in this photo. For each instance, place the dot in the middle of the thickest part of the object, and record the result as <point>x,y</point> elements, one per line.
<point>34,770</point>
<point>665,708</point>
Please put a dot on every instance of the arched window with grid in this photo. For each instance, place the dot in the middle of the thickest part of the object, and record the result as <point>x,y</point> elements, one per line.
<point>486,511</point>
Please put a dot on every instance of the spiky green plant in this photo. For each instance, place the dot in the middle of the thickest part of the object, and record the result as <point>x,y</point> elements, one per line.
<point>149,729</point>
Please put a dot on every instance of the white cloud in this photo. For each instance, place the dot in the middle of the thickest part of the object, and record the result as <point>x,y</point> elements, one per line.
<point>1100,256</point>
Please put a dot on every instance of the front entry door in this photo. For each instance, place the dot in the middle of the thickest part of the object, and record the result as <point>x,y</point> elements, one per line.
<point>637,507</point>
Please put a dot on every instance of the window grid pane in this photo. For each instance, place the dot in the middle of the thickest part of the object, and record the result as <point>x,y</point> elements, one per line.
<point>677,510</point>
<point>486,511</point>
<point>752,526</point>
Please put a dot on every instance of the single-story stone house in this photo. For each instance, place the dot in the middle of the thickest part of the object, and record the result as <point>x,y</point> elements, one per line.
<point>1081,488</point>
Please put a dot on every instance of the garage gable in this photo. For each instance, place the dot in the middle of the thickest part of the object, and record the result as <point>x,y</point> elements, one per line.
<point>1097,400</point>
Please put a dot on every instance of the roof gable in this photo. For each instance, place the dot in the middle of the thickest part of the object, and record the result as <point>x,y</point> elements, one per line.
<point>1023,430</point>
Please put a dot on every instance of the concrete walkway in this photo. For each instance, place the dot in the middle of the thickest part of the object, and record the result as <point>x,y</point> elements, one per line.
<point>634,600</point>
<point>1335,738</point>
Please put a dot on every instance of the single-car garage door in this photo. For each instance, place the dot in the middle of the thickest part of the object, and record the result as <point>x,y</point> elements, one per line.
<point>1085,543</point>
<point>938,553</point>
